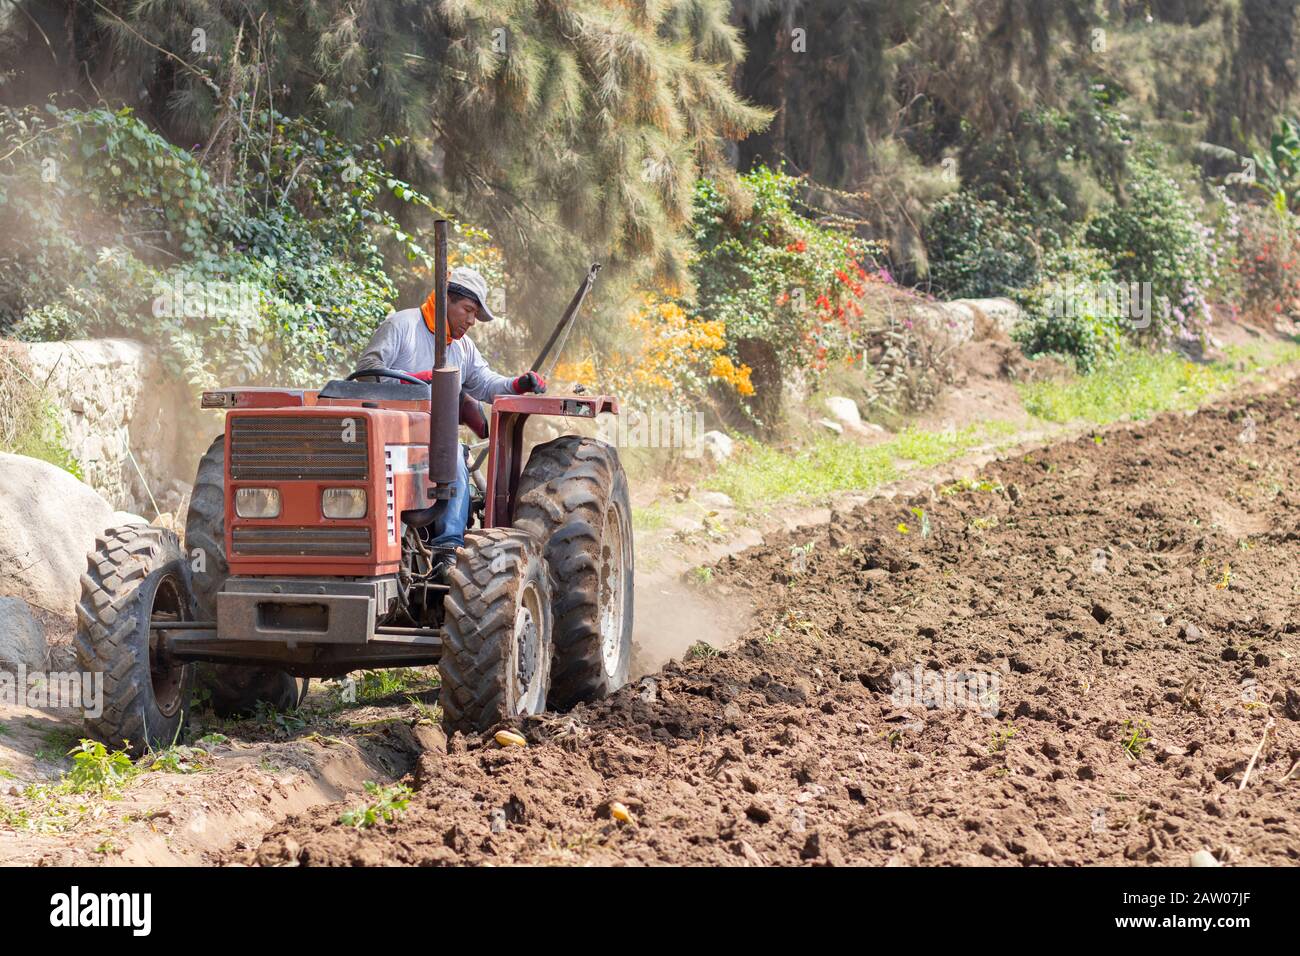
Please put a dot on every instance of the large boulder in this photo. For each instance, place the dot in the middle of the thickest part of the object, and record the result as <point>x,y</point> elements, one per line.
<point>21,638</point>
<point>48,523</point>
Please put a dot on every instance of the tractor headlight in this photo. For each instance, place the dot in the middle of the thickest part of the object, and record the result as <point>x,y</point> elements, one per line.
<point>257,502</point>
<point>343,502</point>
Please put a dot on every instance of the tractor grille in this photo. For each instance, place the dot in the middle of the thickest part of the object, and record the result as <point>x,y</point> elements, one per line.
<point>298,447</point>
<point>306,542</point>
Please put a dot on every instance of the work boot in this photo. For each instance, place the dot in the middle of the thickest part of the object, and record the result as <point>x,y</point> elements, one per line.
<point>444,559</point>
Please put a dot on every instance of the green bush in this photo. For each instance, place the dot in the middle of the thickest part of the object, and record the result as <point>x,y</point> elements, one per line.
<point>777,274</point>
<point>1066,312</point>
<point>30,424</point>
<point>979,248</point>
<point>1155,236</point>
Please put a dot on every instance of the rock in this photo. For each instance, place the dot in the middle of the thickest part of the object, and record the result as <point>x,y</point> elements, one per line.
<point>1063,553</point>
<point>48,523</point>
<point>844,410</point>
<point>750,854</point>
<point>991,316</point>
<point>896,819</point>
<point>21,639</point>
<point>717,445</point>
<point>126,517</point>
<point>714,500</point>
<point>648,690</point>
<point>1033,847</point>
<point>1204,858</point>
<point>836,427</point>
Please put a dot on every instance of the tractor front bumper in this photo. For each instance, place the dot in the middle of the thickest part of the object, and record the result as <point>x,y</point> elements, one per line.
<point>311,627</point>
<point>293,610</point>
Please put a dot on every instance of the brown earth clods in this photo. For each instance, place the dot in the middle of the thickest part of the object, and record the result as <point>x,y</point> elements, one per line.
<point>1124,611</point>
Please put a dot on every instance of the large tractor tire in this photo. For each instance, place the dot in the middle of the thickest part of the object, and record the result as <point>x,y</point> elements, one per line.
<point>573,497</point>
<point>135,575</point>
<point>231,689</point>
<point>496,654</point>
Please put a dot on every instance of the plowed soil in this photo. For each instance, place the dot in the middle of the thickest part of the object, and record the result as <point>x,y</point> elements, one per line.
<point>1129,604</point>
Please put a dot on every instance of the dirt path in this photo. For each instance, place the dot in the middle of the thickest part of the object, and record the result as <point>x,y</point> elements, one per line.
<point>220,794</point>
<point>1118,620</point>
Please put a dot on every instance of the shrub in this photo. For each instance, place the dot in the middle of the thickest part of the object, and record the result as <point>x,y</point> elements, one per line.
<point>776,274</point>
<point>979,248</point>
<point>1268,260</point>
<point>1070,312</point>
<point>29,421</point>
<point>1154,236</point>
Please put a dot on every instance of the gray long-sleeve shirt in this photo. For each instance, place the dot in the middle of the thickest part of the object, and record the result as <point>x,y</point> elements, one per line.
<point>404,343</point>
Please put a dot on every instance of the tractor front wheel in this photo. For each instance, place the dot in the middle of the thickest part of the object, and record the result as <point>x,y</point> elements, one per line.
<point>496,654</point>
<point>573,497</point>
<point>137,576</point>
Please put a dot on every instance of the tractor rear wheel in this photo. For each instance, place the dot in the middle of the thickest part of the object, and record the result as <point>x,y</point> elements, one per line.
<point>231,689</point>
<point>573,497</point>
<point>136,575</point>
<point>496,654</point>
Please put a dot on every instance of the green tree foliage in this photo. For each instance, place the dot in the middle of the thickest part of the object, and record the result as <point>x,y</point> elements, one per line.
<point>532,114</point>
<point>280,275</point>
<point>980,248</point>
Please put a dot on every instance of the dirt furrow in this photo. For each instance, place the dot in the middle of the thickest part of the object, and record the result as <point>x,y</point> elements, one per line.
<point>1087,655</point>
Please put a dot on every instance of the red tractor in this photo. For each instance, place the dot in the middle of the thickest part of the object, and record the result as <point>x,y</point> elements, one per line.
<point>306,555</point>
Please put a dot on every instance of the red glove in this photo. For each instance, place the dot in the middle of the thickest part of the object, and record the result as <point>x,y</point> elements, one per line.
<point>528,382</point>
<point>425,376</point>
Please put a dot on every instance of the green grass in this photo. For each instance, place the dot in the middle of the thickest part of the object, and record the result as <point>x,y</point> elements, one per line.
<point>30,422</point>
<point>1137,384</point>
<point>1142,384</point>
<point>382,684</point>
<point>387,805</point>
<point>649,518</point>
<point>760,475</point>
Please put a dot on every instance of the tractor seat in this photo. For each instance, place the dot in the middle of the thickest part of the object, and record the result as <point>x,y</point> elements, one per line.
<point>376,391</point>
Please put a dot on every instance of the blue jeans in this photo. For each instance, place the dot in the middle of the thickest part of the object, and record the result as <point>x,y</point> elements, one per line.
<point>453,513</point>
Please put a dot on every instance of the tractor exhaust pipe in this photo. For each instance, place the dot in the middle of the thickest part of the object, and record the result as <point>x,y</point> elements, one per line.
<point>444,383</point>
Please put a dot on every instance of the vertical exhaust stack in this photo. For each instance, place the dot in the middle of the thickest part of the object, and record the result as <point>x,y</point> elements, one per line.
<point>444,385</point>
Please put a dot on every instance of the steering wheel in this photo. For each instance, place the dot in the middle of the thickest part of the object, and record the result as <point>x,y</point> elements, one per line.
<point>386,373</point>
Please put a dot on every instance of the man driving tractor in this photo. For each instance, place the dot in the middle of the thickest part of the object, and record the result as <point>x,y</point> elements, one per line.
<point>405,342</point>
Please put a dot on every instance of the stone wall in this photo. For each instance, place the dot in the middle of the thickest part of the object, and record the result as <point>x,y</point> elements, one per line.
<point>118,403</point>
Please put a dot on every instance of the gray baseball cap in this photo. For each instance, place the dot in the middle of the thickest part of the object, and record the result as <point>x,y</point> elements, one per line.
<point>469,282</point>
